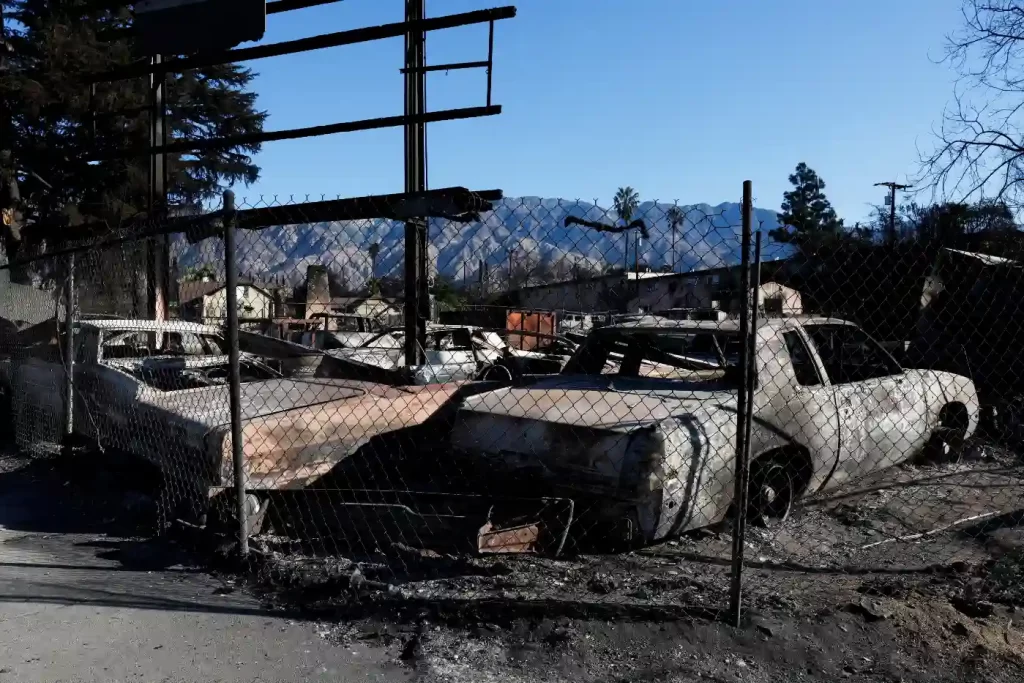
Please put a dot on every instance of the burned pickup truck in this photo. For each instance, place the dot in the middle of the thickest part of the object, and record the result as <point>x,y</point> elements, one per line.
<point>158,391</point>
<point>640,427</point>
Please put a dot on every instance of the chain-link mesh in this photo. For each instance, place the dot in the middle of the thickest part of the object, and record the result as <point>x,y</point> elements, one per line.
<point>570,425</point>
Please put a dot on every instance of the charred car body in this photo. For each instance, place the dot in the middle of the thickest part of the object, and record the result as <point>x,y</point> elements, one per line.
<point>640,427</point>
<point>158,391</point>
<point>452,353</point>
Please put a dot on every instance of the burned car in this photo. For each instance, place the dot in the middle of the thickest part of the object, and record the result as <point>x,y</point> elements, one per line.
<point>640,426</point>
<point>452,353</point>
<point>158,391</point>
<point>341,331</point>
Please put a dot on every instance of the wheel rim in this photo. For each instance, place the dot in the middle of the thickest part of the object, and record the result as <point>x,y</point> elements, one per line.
<point>772,497</point>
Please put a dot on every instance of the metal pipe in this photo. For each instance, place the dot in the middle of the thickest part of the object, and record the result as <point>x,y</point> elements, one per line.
<point>274,7</point>
<point>289,47</point>
<point>417,301</point>
<point>279,6</point>
<point>742,411</point>
<point>355,208</point>
<point>180,146</point>
<point>234,376</point>
<point>490,60</point>
<point>69,346</point>
<point>454,66</point>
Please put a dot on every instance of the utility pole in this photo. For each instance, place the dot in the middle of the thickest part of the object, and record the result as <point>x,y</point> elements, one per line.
<point>893,186</point>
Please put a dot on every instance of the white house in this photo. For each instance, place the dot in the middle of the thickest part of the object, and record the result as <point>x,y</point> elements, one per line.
<point>206,301</point>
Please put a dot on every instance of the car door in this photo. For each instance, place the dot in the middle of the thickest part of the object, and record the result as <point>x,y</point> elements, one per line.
<point>107,398</point>
<point>450,356</point>
<point>878,424</point>
<point>803,403</point>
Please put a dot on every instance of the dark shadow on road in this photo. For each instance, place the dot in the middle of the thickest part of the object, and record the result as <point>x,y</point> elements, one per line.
<point>79,493</point>
<point>63,541</point>
<point>136,602</point>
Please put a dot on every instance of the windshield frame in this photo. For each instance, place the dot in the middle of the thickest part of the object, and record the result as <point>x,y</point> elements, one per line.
<point>615,345</point>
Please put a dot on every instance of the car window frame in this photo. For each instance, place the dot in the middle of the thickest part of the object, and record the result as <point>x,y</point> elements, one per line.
<point>803,338</point>
<point>871,342</point>
<point>593,355</point>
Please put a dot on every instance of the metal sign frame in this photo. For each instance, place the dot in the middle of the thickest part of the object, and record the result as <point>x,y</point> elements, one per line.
<point>414,120</point>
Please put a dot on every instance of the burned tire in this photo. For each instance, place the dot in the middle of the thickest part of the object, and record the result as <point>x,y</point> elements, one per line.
<point>772,492</point>
<point>946,444</point>
<point>223,517</point>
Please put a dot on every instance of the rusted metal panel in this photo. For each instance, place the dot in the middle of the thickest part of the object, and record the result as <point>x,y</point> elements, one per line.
<point>517,539</point>
<point>528,321</point>
<point>290,448</point>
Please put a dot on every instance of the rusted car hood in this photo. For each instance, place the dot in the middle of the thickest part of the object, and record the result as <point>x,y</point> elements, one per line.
<point>290,447</point>
<point>295,431</point>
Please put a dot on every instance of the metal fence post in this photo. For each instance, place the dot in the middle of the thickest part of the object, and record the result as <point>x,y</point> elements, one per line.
<point>743,402</point>
<point>69,347</point>
<point>234,376</point>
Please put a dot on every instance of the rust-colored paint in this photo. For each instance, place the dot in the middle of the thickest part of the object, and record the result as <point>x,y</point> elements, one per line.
<point>517,539</point>
<point>528,321</point>
<point>295,447</point>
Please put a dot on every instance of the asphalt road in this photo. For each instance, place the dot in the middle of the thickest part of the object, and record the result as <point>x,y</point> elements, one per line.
<point>77,605</point>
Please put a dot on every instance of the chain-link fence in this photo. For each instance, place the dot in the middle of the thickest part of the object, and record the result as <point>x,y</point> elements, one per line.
<point>627,404</point>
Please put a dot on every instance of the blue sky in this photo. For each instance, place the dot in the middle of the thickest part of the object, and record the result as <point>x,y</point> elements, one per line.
<point>681,99</point>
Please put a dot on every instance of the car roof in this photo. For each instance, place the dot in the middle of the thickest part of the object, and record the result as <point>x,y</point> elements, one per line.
<point>653,323</point>
<point>121,325</point>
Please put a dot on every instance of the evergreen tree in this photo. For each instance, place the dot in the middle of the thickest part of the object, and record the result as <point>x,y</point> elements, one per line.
<point>55,47</point>
<point>807,217</point>
<point>948,222</point>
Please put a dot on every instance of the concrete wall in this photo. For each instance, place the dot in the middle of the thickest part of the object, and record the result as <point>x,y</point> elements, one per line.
<point>318,291</point>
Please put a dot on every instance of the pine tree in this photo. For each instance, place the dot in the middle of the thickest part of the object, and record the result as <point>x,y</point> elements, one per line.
<point>807,218</point>
<point>56,45</point>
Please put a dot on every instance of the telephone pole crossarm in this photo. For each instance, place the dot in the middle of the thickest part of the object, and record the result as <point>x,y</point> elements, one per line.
<point>893,187</point>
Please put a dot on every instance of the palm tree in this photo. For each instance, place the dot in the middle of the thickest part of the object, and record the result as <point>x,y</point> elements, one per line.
<point>625,202</point>
<point>675,220</point>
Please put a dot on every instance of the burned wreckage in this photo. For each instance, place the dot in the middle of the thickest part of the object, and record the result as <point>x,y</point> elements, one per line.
<point>635,434</point>
<point>452,353</point>
<point>166,402</point>
<point>639,429</point>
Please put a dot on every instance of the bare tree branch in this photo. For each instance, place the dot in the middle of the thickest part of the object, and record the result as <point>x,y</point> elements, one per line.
<point>979,149</point>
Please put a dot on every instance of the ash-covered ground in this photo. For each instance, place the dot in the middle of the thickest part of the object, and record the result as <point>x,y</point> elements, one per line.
<point>916,574</point>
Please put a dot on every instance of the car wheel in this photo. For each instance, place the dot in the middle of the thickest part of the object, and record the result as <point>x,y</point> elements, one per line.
<point>772,491</point>
<point>224,509</point>
<point>945,446</point>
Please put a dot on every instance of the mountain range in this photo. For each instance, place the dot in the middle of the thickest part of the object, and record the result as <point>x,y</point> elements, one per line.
<point>530,230</point>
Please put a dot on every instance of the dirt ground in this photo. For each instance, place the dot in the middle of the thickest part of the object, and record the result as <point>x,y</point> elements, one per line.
<point>914,575</point>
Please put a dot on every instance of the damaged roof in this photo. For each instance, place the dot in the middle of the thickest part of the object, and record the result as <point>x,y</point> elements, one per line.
<point>151,326</point>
